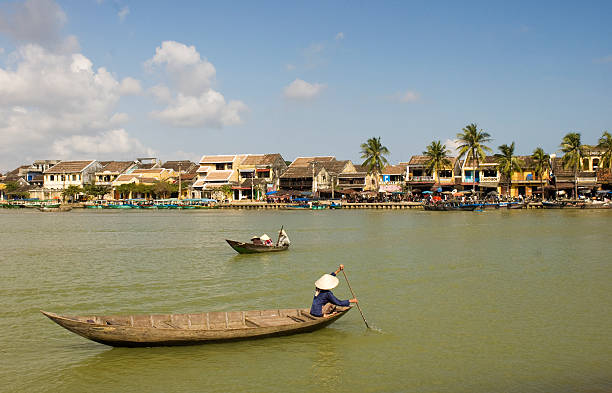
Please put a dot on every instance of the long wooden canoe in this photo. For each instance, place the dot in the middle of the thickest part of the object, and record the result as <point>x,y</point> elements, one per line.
<point>250,248</point>
<point>191,329</point>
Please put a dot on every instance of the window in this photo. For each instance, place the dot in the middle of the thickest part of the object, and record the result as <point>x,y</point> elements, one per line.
<point>73,177</point>
<point>585,164</point>
<point>229,166</point>
<point>595,163</point>
<point>63,177</point>
<point>445,173</point>
<point>51,177</point>
<point>219,167</point>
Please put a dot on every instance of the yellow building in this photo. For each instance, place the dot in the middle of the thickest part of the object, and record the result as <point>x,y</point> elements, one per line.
<point>525,182</point>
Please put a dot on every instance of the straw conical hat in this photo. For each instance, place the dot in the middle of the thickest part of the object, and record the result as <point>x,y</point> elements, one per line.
<point>264,237</point>
<point>327,281</point>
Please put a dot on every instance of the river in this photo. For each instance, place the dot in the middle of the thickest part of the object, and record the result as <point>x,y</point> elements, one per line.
<point>493,301</point>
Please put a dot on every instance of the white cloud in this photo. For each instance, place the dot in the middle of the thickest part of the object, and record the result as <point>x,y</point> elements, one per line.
<point>208,109</point>
<point>130,86</point>
<point>407,96</point>
<point>290,67</point>
<point>34,21</point>
<point>108,143</point>
<point>302,90</point>
<point>123,13</point>
<point>340,36</point>
<point>46,96</point>
<point>190,99</point>
<point>452,145</point>
<point>604,60</point>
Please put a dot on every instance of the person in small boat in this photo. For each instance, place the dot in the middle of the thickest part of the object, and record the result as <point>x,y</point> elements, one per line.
<point>266,240</point>
<point>324,302</point>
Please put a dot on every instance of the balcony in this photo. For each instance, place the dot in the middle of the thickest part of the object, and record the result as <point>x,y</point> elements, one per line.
<point>421,179</point>
<point>446,180</point>
<point>489,179</point>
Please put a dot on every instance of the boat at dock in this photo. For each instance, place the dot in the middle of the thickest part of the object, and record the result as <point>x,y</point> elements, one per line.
<point>451,206</point>
<point>192,329</point>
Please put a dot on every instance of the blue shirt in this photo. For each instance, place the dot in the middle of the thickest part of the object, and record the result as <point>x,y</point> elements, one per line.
<point>323,298</point>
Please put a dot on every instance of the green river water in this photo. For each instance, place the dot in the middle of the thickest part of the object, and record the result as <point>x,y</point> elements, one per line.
<point>494,301</point>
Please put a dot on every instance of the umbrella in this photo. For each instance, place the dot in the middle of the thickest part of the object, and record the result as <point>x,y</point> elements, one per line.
<point>271,192</point>
<point>427,192</point>
<point>439,189</point>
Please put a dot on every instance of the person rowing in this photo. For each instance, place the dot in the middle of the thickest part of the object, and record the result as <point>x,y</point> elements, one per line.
<point>324,302</point>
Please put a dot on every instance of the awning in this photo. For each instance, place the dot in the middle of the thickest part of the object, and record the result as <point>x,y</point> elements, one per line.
<point>240,188</point>
<point>271,192</point>
<point>263,170</point>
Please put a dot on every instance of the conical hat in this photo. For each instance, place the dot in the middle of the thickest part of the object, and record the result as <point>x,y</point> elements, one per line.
<point>327,281</point>
<point>264,237</point>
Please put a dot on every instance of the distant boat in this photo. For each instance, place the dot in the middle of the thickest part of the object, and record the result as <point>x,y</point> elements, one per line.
<point>450,206</point>
<point>55,208</point>
<point>191,329</point>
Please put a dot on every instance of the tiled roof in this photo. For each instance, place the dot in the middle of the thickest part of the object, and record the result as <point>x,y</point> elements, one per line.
<point>218,175</point>
<point>489,160</point>
<point>297,172</point>
<point>148,171</point>
<point>393,170</point>
<point>305,161</point>
<point>334,166</point>
<point>69,166</point>
<point>560,171</point>
<point>115,166</point>
<point>198,183</point>
<point>185,165</point>
<point>126,178</point>
<point>422,160</point>
<point>205,169</point>
<point>360,168</point>
<point>216,159</point>
<point>261,159</point>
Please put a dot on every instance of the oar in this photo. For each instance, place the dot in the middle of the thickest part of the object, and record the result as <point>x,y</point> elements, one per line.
<point>355,297</point>
<point>279,235</point>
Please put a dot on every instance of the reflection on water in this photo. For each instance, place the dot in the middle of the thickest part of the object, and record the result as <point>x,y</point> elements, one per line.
<point>512,301</point>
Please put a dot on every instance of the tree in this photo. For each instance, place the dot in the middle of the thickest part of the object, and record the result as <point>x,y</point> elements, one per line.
<point>14,190</point>
<point>541,162</point>
<point>71,192</point>
<point>125,189</point>
<point>472,147</point>
<point>96,190</point>
<point>374,155</point>
<point>437,158</point>
<point>605,143</point>
<point>508,163</point>
<point>164,189</point>
<point>574,152</point>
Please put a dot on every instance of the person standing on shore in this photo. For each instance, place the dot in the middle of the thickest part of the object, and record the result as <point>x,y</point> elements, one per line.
<point>324,302</point>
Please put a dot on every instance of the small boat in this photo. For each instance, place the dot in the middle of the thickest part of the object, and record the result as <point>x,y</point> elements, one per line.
<point>258,244</point>
<point>250,248</point>
<point>516,205</point>
<point>192,329</point>
<point>450,206</point>
<point>55,209</point>
<point>552,205</point>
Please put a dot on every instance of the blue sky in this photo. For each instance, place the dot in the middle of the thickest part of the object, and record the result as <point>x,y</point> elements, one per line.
<point>298,79</point>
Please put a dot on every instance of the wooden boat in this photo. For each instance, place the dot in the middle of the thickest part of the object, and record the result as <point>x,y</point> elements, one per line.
<point>191,329</point>
<point>518,205</point>
<point>250,248</point>
<point>450,207</point>
<point>55,209</point>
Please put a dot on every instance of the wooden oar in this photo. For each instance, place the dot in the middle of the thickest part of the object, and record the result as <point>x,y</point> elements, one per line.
<point>355,297</point>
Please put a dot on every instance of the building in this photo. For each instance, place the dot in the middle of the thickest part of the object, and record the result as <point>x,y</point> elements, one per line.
<point>65,174</point>
<point>392,179</point>
<point>185,174</point>
<point>217,175</point>
<point>357,181</point>
<point>525,182</point>
<point>259,174</point>
<point>418,177</point>
<point>485,175</point>
<point>111,170</point>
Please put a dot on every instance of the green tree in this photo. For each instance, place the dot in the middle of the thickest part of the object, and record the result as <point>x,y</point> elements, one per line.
<point>94,190</point>
<point>71,192</point>
<point>541,162</point>
<point>437,158</point>
<point>472,147</point>
<point>374,154</point>
<point>14,190</point>
<point>508,163</point>
<point>164,189</point>
<point>573,153</point>
<point>125,190</point>
<point>605,143</point>
<point>227,190</point>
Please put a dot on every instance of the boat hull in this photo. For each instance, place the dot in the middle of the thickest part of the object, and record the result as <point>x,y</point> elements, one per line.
<point>192,329</point>
<point>250,248</point>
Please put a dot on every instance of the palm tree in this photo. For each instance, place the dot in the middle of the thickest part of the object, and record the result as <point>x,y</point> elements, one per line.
<point>437,157</point>
<point>574,151</point>
<point>374,154</point>
<point>472,147</point>
<point>541,162</point>
<point>508,163</point>
<point>605,143</point>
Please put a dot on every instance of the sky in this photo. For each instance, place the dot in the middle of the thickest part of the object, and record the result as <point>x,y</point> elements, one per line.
<point>118,79</point>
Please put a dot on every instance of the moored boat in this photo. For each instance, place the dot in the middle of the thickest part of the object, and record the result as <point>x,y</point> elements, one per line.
<point>191,329</point>
<point>451,206</point>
